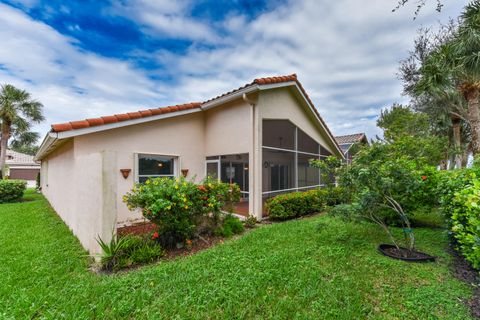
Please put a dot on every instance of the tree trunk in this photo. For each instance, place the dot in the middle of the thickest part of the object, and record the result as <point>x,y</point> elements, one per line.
<point>474,118</point>
<point>452,161</point>
<point>457,143</point>
<point>465,154</point>
<point>443,164</point>
<point>3,145</point>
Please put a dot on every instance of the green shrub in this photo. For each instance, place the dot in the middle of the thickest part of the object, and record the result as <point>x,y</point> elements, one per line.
<point>129,250</point>
<point>250,221</point>
<point>175,205</point>
<point>459,193</point>
<point>230,225</point>
<point>12,190</point>
<point>465,222</point>
<point>334,196</point>
<point>296,204</point>
<point>345,211</point>
<point>146,253</point>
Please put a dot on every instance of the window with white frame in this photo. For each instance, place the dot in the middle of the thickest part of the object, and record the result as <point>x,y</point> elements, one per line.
<point>155,166</point>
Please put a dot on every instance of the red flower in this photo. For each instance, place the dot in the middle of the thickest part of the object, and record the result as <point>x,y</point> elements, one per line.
<point>202,188</point>
<point>155,235</point>
<point>424,178</point>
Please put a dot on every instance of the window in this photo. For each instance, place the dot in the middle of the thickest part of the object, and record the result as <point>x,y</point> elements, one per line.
<point>154,166</point>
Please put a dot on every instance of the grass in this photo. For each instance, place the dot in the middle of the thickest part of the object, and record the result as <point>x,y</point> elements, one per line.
<point>315,268</point>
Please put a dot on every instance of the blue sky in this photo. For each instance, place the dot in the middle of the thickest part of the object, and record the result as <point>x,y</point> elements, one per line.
<point>90,58</point>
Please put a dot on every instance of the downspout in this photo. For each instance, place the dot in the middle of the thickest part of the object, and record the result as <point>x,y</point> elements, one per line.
<point>252,166</point>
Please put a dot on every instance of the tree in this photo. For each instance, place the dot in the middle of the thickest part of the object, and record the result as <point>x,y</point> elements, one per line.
<point>455,65</point>
<point>420,4</point>
<point>385,181</point>
<point>17,113</point>
<point>409,133</point>
<point>445,106</point>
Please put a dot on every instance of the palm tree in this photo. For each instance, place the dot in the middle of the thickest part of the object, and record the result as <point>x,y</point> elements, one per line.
<point>456,64</point>
<point>17,113</point>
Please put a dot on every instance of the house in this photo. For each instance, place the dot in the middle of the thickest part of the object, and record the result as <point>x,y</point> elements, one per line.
<point>22,166</point>
<point>260,136</point>
<point>347,143</point>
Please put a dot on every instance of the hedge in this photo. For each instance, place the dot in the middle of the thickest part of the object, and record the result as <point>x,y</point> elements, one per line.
<point>459,192</point>
<point>12,190</point>
<point>297,204</point>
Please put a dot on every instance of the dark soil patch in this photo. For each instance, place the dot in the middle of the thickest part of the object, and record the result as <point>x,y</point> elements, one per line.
<point>196,245</point>
<point>405,254</point>
<point>463,270</point>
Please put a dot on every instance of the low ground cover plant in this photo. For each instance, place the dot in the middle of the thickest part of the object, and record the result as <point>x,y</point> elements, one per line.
<point>229,226</point>
<point>12,190</point>
<point>129,250</point>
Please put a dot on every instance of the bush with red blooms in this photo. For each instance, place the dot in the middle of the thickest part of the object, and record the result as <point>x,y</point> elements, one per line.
<point>175,205</point>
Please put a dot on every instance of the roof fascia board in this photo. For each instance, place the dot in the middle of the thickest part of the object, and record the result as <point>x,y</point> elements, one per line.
<point>49,139</point>
<point>229,97</point>
<point>78,132</point>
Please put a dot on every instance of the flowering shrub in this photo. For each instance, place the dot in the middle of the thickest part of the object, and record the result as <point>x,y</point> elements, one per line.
<point>174,204</point>
<point>12,190</point>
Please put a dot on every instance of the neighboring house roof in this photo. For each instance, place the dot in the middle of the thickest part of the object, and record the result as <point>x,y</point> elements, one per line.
<point>19,159</point>
<point>73,128</point>
<point>351,138</point>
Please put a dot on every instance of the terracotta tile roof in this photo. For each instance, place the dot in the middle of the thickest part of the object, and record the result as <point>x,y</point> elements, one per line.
<point>73,125</point>
<point>93,122</point>
<point>350,138</point>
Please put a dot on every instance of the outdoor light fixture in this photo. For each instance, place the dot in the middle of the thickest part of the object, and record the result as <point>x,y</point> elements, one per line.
<point>125,172</point>
<point>184,172</point>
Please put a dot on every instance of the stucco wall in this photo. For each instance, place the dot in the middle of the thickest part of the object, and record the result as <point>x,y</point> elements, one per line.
<point>70,183</point>
<point>181,136</point>
<point>228,129</point>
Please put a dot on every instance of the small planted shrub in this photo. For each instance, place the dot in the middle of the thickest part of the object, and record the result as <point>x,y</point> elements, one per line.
<point>295,204</point>
<point>250,221</point>
<point>128,251</point>
<point>12,190</point>
<point>230,225</point>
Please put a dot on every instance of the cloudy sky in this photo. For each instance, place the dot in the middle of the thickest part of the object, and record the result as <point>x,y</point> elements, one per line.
<point>85,59</point>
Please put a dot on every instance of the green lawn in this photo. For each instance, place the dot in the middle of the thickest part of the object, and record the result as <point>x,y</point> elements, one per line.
<point>315,268</point>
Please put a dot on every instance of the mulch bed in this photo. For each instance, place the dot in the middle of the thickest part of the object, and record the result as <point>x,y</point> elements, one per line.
<point>405,253</point>
<point>196,246</point>
<point>463,271</point>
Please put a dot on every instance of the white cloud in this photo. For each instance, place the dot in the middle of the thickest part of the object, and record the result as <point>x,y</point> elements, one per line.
<point>345,53</point>
<point>71,83</point>
<point>165,18</point>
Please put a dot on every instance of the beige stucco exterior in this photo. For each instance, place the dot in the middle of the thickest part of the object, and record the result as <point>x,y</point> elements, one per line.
<point>82,180</point>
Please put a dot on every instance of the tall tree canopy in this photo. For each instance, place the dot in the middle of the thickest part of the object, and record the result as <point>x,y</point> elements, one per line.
<point>453,67</point>
<point>407,132</point>
<point>18,111</point>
